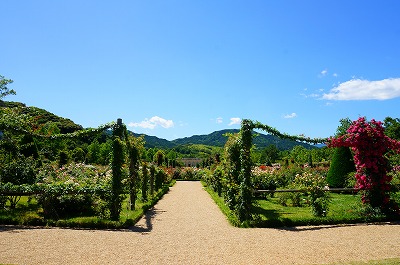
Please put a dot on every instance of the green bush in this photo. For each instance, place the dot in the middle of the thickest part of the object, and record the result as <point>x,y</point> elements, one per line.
<point>293,197</point>
<point>18,171</point>
<point>286,175</point>
<point>188,173</point>
<point>68,205</point>
<point>314,184</point>
<point>90,185</point>
<point>341,165</point>
<point>263,180</point>
<point>214,180</point>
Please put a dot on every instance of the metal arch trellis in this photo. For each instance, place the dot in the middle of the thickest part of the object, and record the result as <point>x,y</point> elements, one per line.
<point>245,191</point>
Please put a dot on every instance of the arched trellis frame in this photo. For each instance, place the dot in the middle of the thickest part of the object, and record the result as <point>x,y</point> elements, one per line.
<point>20,125</point>
<point>245,191</point>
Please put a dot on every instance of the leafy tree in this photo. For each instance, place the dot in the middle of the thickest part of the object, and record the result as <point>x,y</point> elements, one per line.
<point>392,127</point>
<point>159,157</point>
<point>149,155</point>
<point>105,153</point>
<point>270,154</point>
<point>299,154</point>
<point>392,130</point>
<point>63,158</point>
<point>93,154</point>
<point>4,90</point>
<point>78,155</point>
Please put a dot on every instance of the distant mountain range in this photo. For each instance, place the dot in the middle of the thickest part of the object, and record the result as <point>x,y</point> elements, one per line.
<point>218,139</point>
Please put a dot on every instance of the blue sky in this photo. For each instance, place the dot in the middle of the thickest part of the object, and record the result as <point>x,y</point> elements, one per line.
<point>179,68</point>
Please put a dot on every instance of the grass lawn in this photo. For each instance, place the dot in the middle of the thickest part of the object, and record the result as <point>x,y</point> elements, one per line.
<point>343,209</point>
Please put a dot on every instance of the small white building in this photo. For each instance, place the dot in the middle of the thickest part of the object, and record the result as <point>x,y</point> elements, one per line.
<point>191,162</point>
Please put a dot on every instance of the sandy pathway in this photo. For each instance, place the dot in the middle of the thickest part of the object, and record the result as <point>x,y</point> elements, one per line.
<point>186,227</point>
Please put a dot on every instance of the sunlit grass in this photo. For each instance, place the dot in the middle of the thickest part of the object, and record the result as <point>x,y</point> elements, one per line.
<point>343,209</point>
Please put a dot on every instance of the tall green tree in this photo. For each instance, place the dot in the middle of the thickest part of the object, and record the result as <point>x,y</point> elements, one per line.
<point>392,127</point>
<point>4,90</point>
<point>159,158</point>
<point>270,154</point>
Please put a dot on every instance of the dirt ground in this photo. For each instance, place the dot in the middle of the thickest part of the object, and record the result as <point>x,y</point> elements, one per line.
<point>186,227</point>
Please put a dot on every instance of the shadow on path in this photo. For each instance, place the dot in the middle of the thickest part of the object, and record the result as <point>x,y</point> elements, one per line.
<point>148,217</point>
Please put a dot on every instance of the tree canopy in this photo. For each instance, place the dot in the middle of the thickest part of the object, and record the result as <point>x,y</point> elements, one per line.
<point>4,90</point>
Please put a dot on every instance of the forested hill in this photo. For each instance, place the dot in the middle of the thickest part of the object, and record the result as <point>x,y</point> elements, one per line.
<point>42,116</point>
<point>218,138</point>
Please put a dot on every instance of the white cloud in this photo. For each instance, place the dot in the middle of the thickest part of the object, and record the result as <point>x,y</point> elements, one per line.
<point>358,89</point>
<point>324,72</point>
<point>235,121</point>
<point>290,116</point>
<point>335,75</point>
<point>219,120</point>
<point>152,123</point>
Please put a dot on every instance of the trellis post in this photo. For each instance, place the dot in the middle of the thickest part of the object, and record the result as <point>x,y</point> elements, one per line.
<point>116,166</point>
<point>245,191</point>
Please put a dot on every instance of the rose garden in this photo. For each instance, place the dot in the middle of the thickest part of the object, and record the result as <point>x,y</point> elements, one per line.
<point>58,188</point>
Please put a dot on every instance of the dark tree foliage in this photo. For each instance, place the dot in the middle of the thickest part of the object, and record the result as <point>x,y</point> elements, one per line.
<point>392,127</point>
<point>341,165</point>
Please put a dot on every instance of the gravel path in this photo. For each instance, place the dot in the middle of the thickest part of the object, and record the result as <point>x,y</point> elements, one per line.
<point>186,227</point>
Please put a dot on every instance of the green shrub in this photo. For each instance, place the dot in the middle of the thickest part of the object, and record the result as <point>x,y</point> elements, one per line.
<point>3,201</point>
<point>215,180</point>
<point>293,197</point>
<point>263,179</point>
<point>314,185</point>
<point>18,171</point>
<point>67,205</point>
<point>286,175</point>
<point>188,173</point>
<point>91,186</point>
<point>341,165</point>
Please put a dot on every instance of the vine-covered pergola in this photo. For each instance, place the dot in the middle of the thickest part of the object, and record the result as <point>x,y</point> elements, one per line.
<point>20,124</point>
<point>363,137</point>
<point>245,190</point>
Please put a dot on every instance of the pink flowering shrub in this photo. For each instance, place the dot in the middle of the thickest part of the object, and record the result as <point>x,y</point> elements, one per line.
<point>369,145</point>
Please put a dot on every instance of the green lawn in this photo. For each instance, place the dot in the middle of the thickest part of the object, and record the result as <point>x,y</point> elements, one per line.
<point>343,209</point>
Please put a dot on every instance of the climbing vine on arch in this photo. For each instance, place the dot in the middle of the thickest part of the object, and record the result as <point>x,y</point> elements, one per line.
<point>245,195</point>
<point>369,145</point>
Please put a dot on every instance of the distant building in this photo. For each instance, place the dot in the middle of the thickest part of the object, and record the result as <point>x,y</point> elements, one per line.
<point>191,162</point>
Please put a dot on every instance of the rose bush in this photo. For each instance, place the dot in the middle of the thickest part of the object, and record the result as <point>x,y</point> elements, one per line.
<point>369,145</point>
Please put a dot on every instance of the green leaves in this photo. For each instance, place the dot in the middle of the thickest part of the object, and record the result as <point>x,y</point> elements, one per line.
<point>4,90</point>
